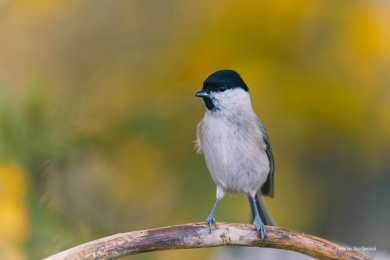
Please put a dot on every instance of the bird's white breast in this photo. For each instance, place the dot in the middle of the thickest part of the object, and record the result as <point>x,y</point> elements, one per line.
<point>234,150</point>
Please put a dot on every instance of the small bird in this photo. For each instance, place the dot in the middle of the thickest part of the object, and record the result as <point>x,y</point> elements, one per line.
<point>235,145</point>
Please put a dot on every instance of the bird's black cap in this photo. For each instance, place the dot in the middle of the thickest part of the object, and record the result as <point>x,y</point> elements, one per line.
<point>220,81</point>
<point>223,80</point>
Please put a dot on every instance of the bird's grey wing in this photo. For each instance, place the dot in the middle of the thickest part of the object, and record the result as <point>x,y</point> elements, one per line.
<point>268,187</point>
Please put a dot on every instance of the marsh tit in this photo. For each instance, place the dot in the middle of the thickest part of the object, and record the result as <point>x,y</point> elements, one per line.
<point>235,145</point>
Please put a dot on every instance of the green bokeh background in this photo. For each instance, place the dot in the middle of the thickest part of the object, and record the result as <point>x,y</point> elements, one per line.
<point>97,106</point>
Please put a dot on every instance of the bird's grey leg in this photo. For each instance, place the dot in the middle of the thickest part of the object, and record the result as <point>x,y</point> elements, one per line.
<point>210,219</point>
<point>257,222</point>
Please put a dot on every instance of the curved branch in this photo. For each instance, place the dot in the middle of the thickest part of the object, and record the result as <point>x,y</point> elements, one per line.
<point>196,235</point>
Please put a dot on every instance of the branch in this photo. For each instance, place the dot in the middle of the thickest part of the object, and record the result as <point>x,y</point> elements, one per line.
<point>196,235</point>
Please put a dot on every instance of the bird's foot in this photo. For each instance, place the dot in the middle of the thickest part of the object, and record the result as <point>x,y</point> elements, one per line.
<point>210,221</point>
<point>259,226</point>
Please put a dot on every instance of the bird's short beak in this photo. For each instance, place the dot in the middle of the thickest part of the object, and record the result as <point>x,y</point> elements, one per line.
<point>202,94</point>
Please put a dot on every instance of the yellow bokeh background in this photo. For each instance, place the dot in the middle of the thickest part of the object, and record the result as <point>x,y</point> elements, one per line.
<point>14,226</point>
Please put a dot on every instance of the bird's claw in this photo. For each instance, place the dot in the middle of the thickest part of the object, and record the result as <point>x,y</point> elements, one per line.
<point>259,227</point>
<point>210,221</point>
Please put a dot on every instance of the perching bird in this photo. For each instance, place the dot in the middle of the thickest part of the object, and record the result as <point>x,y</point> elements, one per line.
<point>235,145</point>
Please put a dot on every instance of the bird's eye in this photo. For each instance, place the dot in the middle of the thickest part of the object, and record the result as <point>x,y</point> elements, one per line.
<point>222,88</point>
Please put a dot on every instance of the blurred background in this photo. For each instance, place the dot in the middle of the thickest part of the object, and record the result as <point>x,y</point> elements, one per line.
<point>98,117</point>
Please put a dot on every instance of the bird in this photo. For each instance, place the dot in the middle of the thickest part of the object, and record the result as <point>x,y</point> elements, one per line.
<point>235,145</point>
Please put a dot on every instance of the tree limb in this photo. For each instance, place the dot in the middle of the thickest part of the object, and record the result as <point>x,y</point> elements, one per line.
<point>196,235</point>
